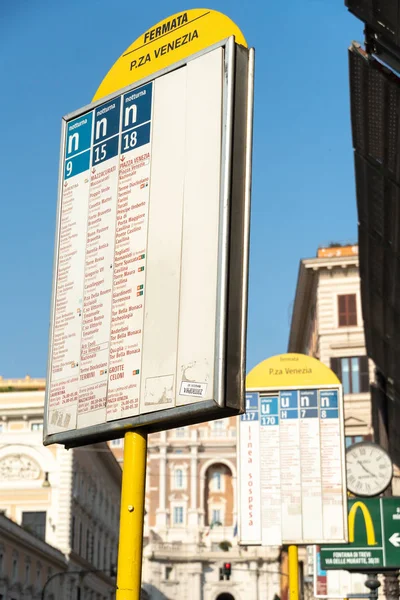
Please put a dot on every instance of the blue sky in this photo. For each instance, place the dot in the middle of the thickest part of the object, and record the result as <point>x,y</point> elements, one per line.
<point>53,55</point>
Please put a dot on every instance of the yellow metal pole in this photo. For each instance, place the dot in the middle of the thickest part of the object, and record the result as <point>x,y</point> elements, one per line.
<point>129,574</point>
<point>293,557</point>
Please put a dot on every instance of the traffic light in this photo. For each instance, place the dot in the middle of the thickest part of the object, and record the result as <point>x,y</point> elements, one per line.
<point>227,569</point>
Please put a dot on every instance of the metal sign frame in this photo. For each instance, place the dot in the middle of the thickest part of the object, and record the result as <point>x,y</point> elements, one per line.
<point>271,391</point>
<point>232,287</point>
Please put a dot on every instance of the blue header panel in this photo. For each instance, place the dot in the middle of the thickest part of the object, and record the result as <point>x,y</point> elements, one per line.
<point>329,404</point>
<point>79,134</point>
<point>106,120</point>
<point>308,404</point>
<point>77,145</point>
<point>289,404</point>
<point>137,107</point>
<point>269,411</point>
<point>105,131</point>
<point>252,408</point>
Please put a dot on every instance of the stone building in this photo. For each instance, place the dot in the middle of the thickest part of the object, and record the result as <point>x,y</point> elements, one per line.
<point>27,563</point>
<point>68,499</point>
<point>327,323</point>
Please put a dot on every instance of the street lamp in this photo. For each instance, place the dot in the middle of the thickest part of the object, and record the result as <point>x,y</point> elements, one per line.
<point>373,584</point>
<point>81,573</point>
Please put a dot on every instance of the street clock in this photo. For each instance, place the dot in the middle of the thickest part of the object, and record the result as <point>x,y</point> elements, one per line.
<point>369,469</point>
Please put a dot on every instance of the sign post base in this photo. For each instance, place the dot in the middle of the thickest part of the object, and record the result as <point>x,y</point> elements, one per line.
<point>293,573</point>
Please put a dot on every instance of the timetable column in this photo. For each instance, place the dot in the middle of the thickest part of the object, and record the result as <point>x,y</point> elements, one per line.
<point>332,494</point>
<point>310,449</point>
<point>65,357</point>
<point>290,465</point>
<point>129,278</point>
<point>270,471</point>
<point>96,322</point>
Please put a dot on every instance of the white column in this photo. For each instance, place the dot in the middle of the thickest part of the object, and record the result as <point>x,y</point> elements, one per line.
<point>234,483</point>
<point>196,590</point>
<point>193,513</point>
<point>193,477</point>
<point>161,512</point>
<point>163,479</point>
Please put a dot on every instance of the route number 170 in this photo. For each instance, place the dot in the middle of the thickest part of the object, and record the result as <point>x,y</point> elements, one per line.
<point>268,421</point>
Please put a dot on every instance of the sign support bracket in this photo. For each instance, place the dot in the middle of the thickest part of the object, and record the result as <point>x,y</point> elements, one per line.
<point>129,574</point>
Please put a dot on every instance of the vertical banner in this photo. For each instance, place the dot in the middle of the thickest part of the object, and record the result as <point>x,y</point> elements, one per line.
<point>250,490</point>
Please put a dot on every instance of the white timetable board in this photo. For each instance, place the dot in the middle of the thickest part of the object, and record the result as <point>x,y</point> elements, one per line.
<point>148,285</point>
<point>292,485</point>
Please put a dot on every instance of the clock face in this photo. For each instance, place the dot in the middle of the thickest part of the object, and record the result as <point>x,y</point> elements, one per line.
<point>369,469</point>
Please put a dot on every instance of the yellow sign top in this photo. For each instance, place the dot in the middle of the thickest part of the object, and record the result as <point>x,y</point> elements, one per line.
<point>166,43</point>
<point>290,370</point>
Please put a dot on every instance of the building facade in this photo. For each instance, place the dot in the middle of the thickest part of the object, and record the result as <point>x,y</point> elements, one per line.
<point>27,563</point>
<point>191,519</point>
<point>69,499</point>
<point>327,324</point>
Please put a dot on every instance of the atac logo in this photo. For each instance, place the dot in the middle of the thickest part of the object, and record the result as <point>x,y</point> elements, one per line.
<point>368,523</point>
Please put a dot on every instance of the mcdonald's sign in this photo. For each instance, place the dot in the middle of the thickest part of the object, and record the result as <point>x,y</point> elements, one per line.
<point>368,522</point>
<point>374,537</point>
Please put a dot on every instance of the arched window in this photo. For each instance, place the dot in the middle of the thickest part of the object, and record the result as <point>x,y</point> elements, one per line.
<point>216,481</point>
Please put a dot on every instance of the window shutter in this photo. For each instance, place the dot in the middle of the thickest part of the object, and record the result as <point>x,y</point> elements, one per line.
<point>351,310</point>
<point>364,374</point>
<point>342,311</point>
<point>335,366</point>
<point>347,310</point>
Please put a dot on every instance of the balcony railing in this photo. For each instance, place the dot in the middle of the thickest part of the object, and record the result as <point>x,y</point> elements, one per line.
<point>176,549</point>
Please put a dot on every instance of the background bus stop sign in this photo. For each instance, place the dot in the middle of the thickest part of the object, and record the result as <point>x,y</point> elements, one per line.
<point>374,537</point>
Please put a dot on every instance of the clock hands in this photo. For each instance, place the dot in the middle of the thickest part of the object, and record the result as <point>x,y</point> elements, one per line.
<point>366,470</point>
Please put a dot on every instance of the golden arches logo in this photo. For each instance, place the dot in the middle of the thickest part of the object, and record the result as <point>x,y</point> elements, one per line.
<point>369,525</point>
